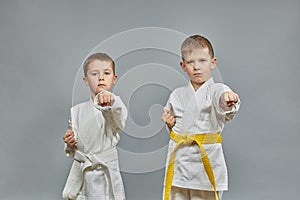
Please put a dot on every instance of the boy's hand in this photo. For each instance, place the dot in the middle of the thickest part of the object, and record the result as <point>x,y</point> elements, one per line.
<point>228,100</point>
<point>69,139</point>
<point>168,119</point>
<point>106,98</point>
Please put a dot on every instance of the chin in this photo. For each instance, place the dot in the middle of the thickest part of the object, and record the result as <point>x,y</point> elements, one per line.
<point>199,81</point>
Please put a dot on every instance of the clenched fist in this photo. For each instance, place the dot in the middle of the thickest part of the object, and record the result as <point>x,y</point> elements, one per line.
<point>168,119</point>
<point>228,100</point>
<point>69,138</point>
<point>105,98</point>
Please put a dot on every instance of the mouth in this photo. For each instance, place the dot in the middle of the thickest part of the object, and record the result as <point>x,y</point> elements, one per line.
<point>101,85</point>
<point>198,74</point>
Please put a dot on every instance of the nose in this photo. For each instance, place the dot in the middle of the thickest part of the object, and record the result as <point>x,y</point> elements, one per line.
<point>101,77</point>
<point>197,66</point>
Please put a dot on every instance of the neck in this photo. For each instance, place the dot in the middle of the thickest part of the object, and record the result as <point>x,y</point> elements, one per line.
<point>93,97</point>
<point>196,86</point>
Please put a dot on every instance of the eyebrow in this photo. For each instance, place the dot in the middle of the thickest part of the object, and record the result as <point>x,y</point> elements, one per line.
<point>195,59</point>
<point>106,69</point>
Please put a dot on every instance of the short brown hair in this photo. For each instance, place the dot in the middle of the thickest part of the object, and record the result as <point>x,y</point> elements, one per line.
<point>194,42</point>
<point>98,56</point>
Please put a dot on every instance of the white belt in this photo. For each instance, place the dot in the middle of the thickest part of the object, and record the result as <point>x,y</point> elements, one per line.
<point>76,175</point>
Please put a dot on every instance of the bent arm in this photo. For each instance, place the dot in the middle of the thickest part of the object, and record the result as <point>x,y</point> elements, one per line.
<point>69,150</point>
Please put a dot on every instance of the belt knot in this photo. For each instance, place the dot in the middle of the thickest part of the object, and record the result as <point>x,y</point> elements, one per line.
<point>187,139</point>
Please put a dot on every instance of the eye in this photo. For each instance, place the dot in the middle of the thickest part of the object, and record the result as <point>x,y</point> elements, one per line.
<point>107,73</point>
<point>190,62</point>
<point>202,60</point>
<point>94,73</point>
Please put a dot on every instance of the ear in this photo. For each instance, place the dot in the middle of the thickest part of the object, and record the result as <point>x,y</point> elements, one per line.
<point>214,63</point>
<point>85,81</point>
<point>183,66</point>
<point>115,79</point>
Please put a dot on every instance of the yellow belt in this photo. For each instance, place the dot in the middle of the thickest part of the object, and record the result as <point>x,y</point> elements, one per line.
<point>185,140</point>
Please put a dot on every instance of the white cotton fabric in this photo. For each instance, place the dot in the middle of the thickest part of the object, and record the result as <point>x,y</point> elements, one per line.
<point>96,131</point>
<point>198,112</point>
<point>178,193</point>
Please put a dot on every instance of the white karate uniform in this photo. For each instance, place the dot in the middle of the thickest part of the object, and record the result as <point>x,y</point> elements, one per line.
<point>95,159</point>
<point>178,193</point>
<point>198,112</point>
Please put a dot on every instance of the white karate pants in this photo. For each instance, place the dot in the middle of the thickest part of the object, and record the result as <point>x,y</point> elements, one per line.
<point>178,193</point>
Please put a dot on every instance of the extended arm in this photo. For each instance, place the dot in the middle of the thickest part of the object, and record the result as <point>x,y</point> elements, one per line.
<point>225,100</point>
<point>113,109</point>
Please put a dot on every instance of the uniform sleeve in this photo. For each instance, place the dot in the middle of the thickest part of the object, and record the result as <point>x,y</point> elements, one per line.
<point>69,150</point>
<point>217,90</point>
<point>116,114</point>
<point>169,106</point>
<point>170,102</point>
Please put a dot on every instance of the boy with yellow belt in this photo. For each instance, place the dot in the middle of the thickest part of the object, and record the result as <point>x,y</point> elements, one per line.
<point>196,115</point>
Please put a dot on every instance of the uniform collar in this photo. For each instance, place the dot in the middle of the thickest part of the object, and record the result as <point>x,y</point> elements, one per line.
<point>202,87</point>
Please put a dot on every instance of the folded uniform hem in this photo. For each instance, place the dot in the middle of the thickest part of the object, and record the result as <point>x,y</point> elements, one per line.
<point>208,187</point>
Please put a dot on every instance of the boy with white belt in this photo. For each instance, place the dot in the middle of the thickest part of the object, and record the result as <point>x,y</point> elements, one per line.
<point>93,134</point>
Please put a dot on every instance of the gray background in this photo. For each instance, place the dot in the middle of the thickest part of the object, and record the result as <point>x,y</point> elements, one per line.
<point>43,44</point>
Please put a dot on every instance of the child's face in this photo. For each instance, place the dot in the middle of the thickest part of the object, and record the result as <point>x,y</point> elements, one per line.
<point>99,76</point>
<point>198,65</point>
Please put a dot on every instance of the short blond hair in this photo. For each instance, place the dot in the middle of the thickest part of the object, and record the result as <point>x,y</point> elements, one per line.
<point>195,42</point>
<point>98,56</point>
